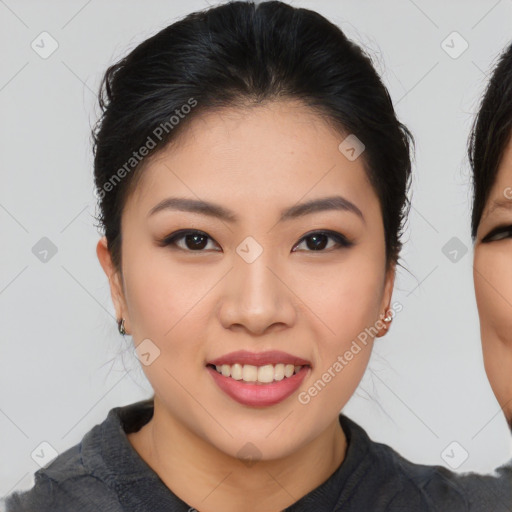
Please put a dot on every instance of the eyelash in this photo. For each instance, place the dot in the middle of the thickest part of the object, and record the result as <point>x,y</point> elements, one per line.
<point>498,231</point>
<point>341,241</point>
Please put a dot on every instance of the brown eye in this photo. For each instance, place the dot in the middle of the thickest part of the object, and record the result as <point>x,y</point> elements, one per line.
<point>499,233</point>
<point>318,240</point>
<point>196,241</point>
<point>187,240</point>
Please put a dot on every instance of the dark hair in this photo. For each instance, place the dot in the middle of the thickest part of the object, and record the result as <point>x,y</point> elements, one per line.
<point>490,134</point>
<point>236,55</point>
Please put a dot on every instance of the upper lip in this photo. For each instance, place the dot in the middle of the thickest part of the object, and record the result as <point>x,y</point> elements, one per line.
<point>259,358</point>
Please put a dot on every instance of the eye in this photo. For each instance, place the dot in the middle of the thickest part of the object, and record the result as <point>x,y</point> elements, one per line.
<point>499,233</point>
<point>196,241</point>
<point>187,240</point>
<point>318,241</point>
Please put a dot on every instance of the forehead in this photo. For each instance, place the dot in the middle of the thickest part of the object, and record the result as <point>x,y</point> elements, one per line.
<point>275,152</point>
<point>500,196</point>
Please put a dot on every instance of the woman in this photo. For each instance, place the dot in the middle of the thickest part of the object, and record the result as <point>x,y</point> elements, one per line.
<point>490,153</point>
<point>253,180</point>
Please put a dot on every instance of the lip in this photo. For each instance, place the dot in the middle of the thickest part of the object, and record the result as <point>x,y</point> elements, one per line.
<point>257,394</point>
<point>259,358</point>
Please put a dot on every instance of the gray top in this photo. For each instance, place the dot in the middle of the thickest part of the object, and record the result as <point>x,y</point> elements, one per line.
<point>104,473</point>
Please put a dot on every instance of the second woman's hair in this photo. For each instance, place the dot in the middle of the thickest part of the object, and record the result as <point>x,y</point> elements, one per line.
<point>491,132</point>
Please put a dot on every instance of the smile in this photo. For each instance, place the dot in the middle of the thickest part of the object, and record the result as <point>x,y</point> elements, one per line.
<point>254,393</point>
<point>257,374</point>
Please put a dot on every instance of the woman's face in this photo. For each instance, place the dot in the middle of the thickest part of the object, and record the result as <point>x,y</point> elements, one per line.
<point>251,280</point>
<point>492,272</point>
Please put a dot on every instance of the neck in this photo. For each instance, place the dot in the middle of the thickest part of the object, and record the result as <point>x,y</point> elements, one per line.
<point>209,479</point>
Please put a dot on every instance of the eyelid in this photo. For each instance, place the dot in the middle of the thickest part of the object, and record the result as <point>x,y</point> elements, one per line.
<point>496,231</point>
<point>170,240</point>
<point>340,240</point>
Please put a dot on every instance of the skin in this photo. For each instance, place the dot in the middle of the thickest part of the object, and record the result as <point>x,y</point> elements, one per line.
<point>492,275</point>
<point>196,306</point>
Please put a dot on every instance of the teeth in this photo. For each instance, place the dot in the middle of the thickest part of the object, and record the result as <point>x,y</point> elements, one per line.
<point>236,371</point>
<point>264,374</point>
<point>279,372</point>
<point>249,373</point>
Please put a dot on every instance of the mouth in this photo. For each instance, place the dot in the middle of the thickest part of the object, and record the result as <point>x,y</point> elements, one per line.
<point>258,379</point>
<point>258,386</point>
<point>252,374</point>
<point>258,367</point>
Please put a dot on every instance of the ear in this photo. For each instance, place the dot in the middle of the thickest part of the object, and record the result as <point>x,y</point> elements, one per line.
<point>389,284</point>
<point>115,280</point>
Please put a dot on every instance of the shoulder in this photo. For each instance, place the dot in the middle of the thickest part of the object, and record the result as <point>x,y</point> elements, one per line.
<point>74,480</point>
<point>62,484</point>
<point>86,477</point>
<point>434,487</point>
<point>494,488</point>
<point>430,488</point>
<point>447,490</point>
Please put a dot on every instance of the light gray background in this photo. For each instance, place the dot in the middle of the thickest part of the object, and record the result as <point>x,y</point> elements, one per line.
<point>61,369</point>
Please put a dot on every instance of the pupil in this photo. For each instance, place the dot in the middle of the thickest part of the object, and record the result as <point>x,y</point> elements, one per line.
<point>317,246</point>
<point>195,238</point>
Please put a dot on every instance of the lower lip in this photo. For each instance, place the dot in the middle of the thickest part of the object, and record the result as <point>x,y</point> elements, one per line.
<point>259,395</point>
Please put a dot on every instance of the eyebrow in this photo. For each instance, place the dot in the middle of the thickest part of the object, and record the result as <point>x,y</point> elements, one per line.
<point>499,204</point>
<point>338,203</point>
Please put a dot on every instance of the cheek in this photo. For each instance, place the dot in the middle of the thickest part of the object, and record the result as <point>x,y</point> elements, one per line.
<point>493,290</point>
<point>350,314</point>
<point>160,294</point>
<point>166,304</point>
<point>351,297</point>
<point>346,303</point>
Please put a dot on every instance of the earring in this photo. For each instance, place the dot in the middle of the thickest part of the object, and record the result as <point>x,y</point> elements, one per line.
<point>388,318</point>
<point>120,326</point>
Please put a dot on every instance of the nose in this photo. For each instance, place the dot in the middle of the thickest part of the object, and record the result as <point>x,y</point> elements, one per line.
<point>256,297</point>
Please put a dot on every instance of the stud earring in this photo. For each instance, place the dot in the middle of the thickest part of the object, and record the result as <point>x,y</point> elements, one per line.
<point>120,326</point>
<point>387,319</point>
